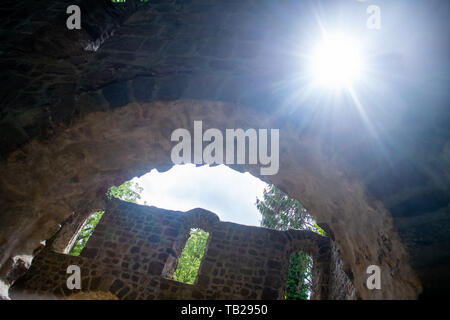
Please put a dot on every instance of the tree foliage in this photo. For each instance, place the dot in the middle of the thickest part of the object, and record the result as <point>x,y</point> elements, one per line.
<point>127,191</point>
<point>281,212</point>
<point>189,261</point>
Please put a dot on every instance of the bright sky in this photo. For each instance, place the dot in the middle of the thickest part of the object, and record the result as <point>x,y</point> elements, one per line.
<point>228,193</point>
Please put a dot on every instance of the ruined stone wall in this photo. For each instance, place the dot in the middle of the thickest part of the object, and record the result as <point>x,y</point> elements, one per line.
<point>340,284</point>
<point>133,253</point>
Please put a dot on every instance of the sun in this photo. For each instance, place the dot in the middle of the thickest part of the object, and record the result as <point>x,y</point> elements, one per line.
<point>337,62</point>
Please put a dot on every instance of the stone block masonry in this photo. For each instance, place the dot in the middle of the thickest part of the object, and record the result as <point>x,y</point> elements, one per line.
<point>134,250</point>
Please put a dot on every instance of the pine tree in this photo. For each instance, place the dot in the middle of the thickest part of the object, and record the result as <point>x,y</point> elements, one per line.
<point>281,212</point>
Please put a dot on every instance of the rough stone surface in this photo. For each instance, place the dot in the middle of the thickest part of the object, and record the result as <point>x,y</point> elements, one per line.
<point>340,285</point>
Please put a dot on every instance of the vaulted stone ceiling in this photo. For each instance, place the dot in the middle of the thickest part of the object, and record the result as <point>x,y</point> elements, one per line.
<point>74,121</point>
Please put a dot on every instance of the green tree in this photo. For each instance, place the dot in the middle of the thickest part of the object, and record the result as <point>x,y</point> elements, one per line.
<point>189,261</point>
<point>298,283</point>
<point>127,191</point>
<point>281,212</point>
<point>86,232</point>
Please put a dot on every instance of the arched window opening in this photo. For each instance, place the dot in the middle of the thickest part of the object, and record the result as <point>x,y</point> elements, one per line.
<point>191,257</point>
<point>86,232</point>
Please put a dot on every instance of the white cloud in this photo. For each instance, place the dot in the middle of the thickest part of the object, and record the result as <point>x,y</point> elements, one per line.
<point>224,191</point>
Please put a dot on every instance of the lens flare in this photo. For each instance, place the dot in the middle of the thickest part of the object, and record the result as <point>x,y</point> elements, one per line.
<point>337,61</point>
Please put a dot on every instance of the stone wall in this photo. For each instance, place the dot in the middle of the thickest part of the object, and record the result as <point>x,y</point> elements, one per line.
<point>340,284</point>
<point>133,253</point>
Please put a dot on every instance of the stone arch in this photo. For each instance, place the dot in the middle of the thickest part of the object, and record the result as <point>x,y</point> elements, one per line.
<point>77,165</point>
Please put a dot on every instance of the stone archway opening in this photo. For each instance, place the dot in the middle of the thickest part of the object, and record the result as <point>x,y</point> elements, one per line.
<point>107,148</point>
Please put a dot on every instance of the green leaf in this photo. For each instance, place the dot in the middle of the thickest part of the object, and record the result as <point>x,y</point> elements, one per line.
<point>127,191</point>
